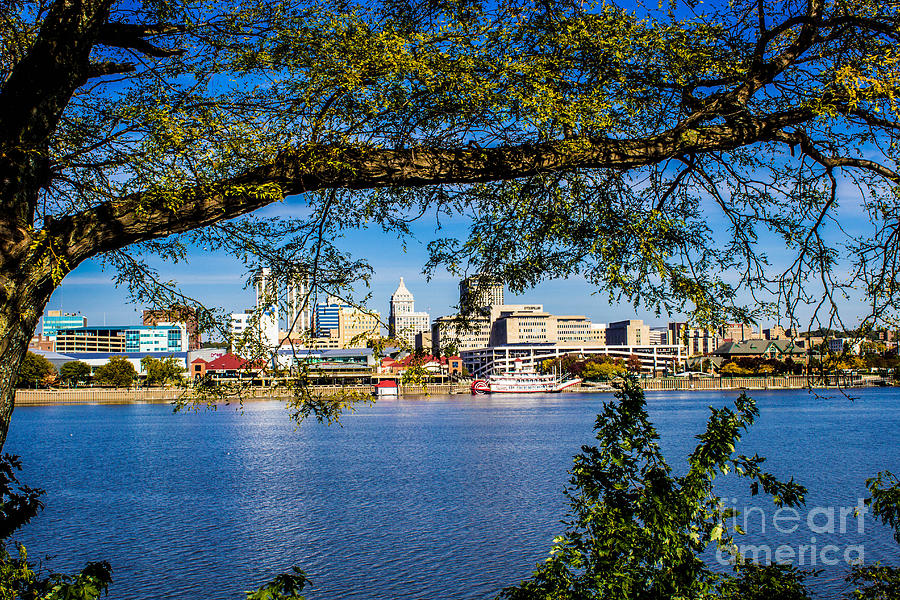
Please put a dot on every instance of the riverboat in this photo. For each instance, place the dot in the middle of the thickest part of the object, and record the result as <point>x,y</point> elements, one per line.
<point>522,381</point>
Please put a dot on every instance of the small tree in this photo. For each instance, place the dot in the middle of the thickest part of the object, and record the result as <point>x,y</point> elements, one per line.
<point>161,371</point>
<point>608,370</point>
<point>638,531</point>
<point>118,372</point>
<point>731,368</point>
<point>35,370</point>
<point>74,372</point>
<point>634,363</point>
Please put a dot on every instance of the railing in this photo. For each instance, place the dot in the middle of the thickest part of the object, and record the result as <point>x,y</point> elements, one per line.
<point>96,396</point>
<point>759,383</point>
<point>161,395</point>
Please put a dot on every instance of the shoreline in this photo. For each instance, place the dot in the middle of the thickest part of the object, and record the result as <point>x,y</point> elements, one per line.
<point>83,396</point>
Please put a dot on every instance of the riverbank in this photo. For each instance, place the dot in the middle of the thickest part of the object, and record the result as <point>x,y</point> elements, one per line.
<point>168,395</point>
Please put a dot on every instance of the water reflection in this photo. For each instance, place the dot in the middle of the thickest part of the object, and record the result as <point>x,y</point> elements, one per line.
<point>449,497</point>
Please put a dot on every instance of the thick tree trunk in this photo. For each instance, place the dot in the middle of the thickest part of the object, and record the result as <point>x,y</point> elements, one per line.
<point>24,291</point>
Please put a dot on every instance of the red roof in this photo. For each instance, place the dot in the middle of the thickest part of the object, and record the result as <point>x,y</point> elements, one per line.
<point>424,359</point>
<point>387,383</point>
<point>228,362</point>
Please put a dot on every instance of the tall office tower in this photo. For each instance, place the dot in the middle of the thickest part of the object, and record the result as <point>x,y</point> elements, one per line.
<point>404,323</point>
<point>328,316</point>
<point>479,291</point>
<point>298,315</point>
<point>267,307</point>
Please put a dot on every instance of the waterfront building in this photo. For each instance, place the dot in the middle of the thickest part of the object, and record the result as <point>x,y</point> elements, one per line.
<point>404,322</point>
<point>628,333</point>
<point>55,320</point>
<point>778,349</point>
<point>227,367</point>
<point>479,291</point>
<point>347,365</point>
<point>481,362</point>
<point>98,359</point>
<point>474,331</point>
<point>165,337</point>
<point>516,327</point>
<point>177,313</point>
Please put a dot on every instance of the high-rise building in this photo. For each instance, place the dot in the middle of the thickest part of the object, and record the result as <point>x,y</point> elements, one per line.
<point>266,314</point>
<point>298,319</point>
<point>455,334</point>
<point>628,333</point>
<point>404,322</point>
<point>356,326</point>
<point>775,332</point>
<point>55,320</point>
<point>328,316</point>
<point>478,291</point>
<point>177,313</point>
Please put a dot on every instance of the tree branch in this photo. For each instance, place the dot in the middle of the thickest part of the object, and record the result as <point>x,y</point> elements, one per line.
<point>809,148</point>
<point>310,168</point>
<point>125,35</point>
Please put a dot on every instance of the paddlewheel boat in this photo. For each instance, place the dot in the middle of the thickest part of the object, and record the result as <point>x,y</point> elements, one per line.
<point>522,381</point>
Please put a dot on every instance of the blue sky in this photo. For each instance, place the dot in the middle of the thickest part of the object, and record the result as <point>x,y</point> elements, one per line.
<point>220,281</point>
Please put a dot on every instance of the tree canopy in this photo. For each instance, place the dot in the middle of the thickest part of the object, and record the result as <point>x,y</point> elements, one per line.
<point>75,371</point>
<point>578,138</point>
<point>117,372</point>
<point>160,371</point>
<point>35,371</point>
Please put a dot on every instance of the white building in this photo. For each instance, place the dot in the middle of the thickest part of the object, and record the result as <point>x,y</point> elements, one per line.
<point>266,313</point>
<point>246,331</point>
<point>298,321</point>
<point>404,322</point>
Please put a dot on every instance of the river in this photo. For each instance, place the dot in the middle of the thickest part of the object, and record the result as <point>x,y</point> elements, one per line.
<point>445,497</point>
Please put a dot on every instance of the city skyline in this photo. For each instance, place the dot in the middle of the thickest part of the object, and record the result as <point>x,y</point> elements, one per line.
<point>221,281</point>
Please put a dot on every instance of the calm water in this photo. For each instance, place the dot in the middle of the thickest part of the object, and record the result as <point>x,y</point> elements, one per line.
<point>450,497</point>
